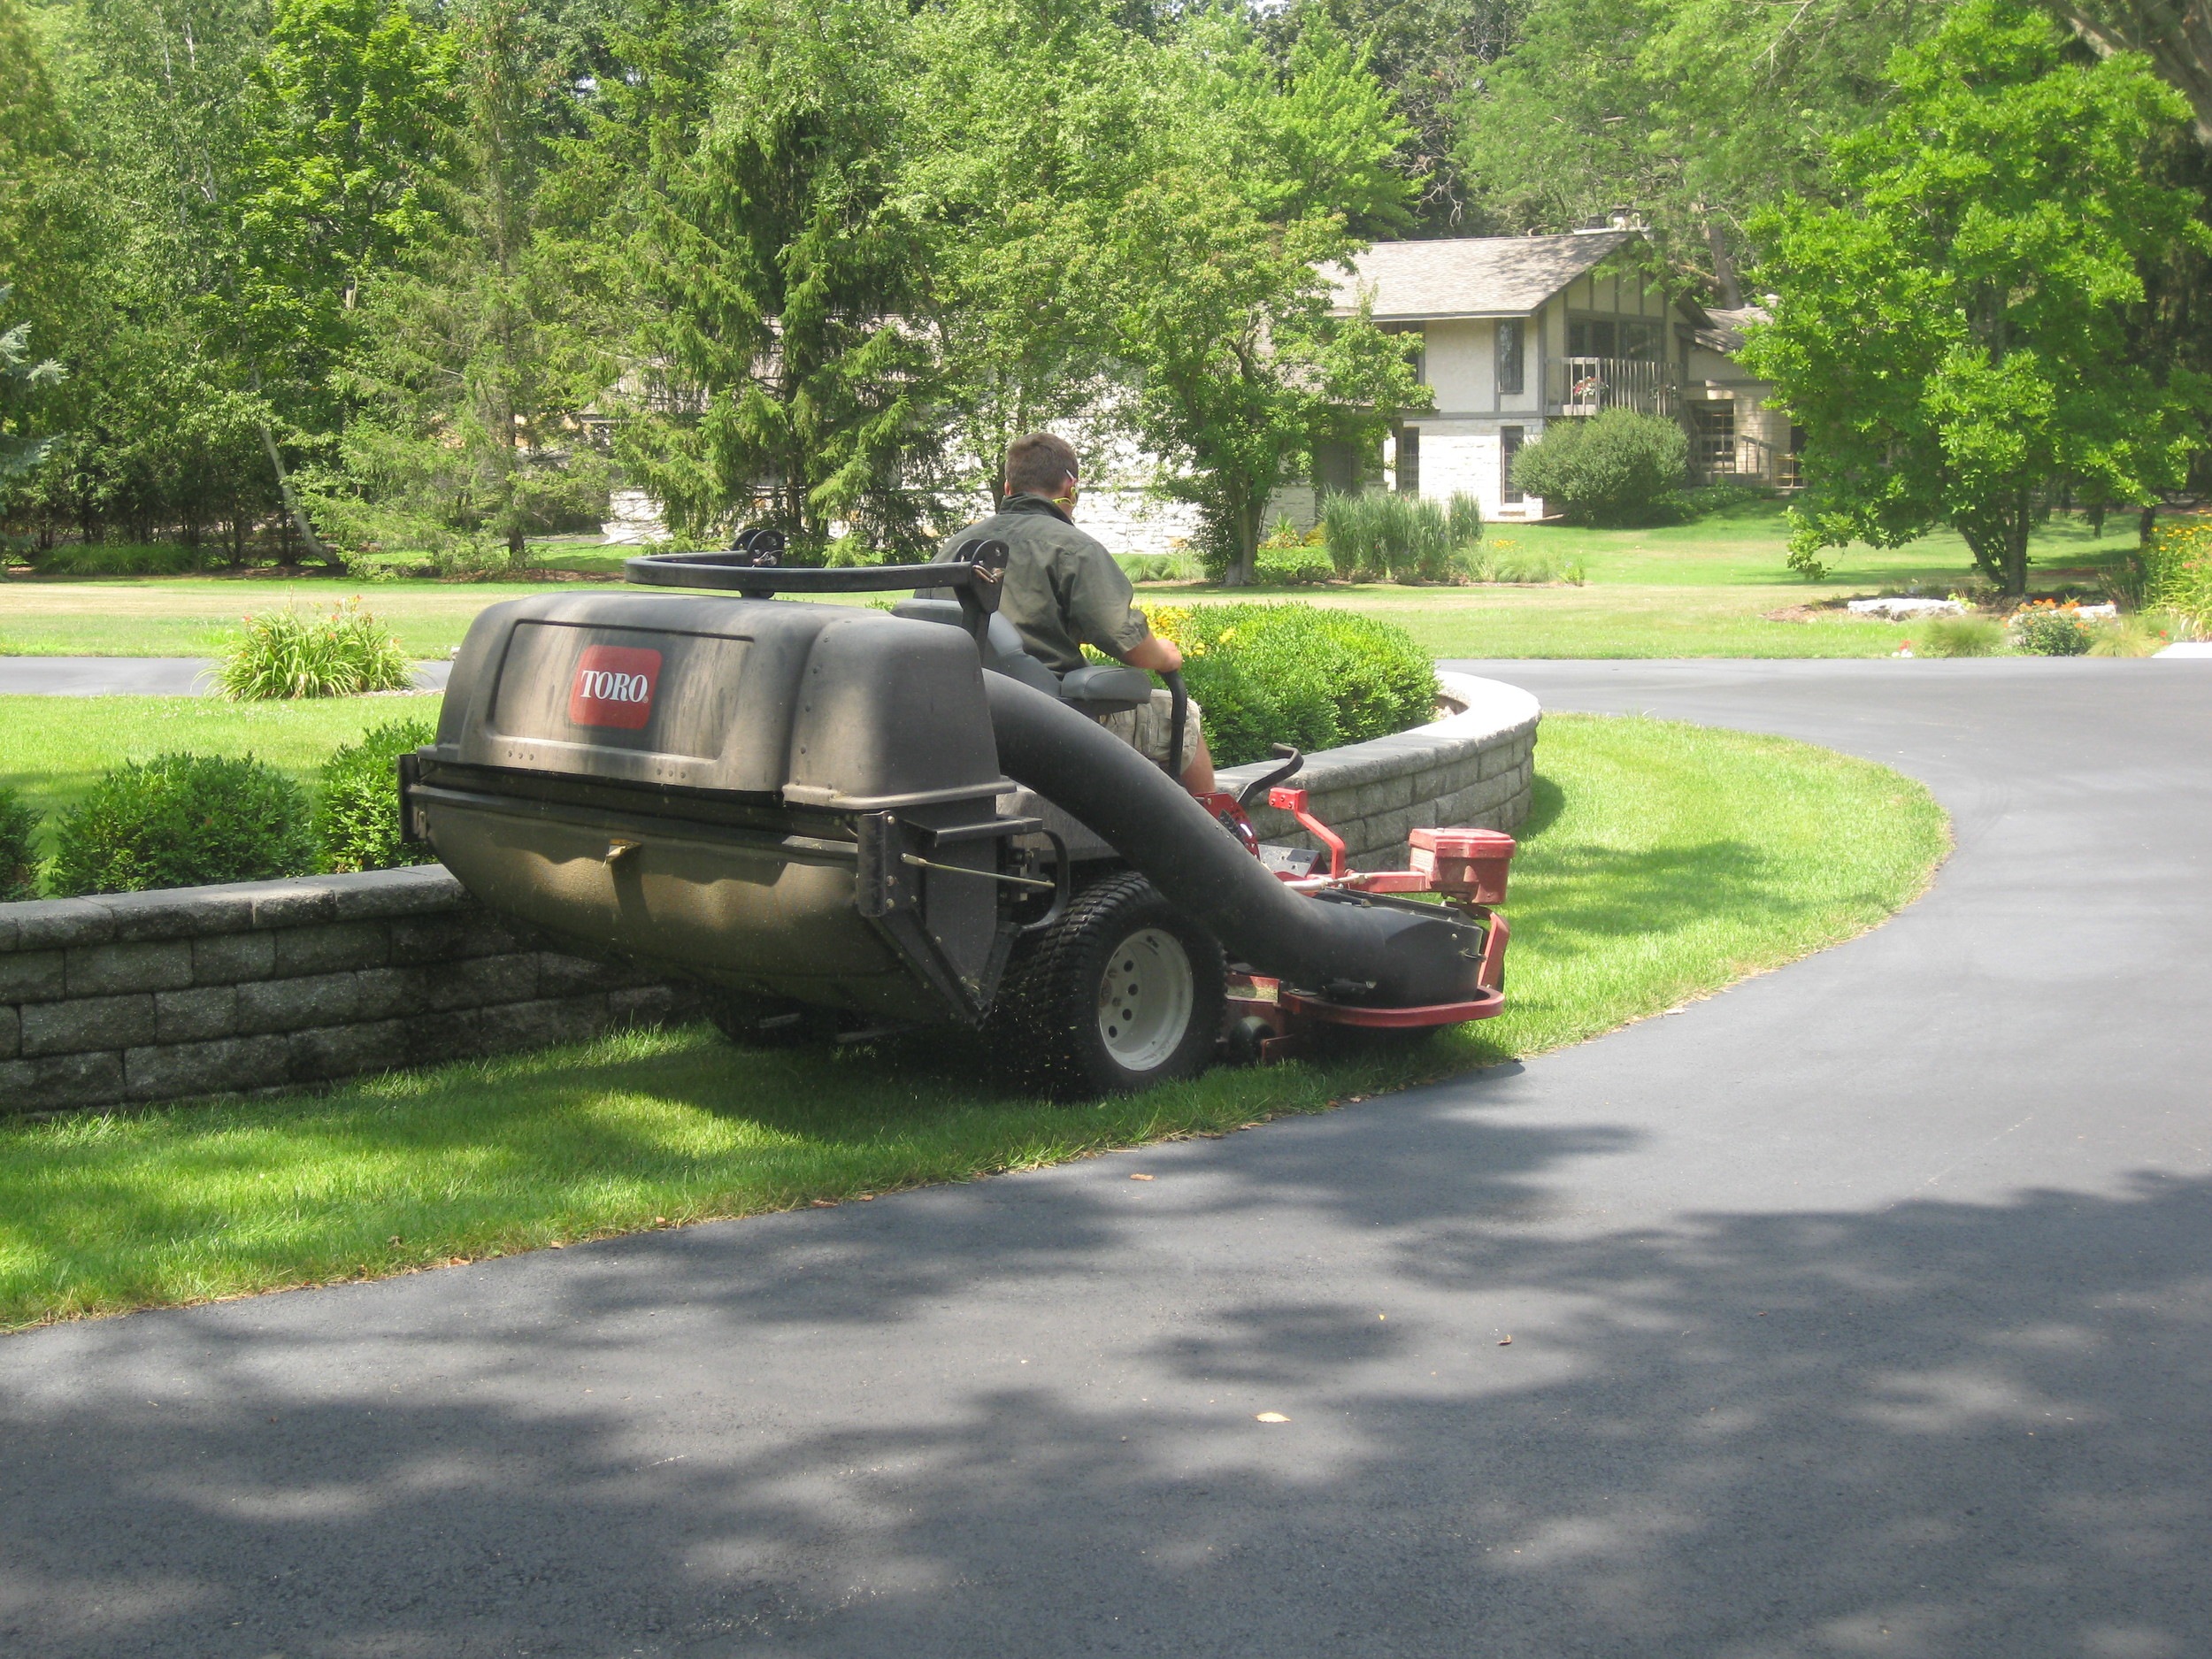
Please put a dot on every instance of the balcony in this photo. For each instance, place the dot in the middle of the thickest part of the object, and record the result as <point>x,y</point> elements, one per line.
<point>1584,385</point>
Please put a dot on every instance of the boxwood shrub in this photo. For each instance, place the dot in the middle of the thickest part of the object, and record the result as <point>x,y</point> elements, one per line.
<point>1615,467</point>
<point>19,848</point>
<point>357,808</point>
<point>183,821</point>
<point>1297,674</point>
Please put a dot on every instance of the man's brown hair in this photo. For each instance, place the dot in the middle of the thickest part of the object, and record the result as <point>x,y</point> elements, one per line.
<point>1039,465</point>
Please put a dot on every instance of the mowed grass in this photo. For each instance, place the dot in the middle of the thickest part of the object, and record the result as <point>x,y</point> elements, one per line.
<point>53,748</point>
<point>1700,589</point>
<point>1663,862</point>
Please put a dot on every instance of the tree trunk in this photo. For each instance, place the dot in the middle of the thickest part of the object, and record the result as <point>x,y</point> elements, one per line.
<point>312,542</point>
<point>2175,34</point>
<point>1724,267</point>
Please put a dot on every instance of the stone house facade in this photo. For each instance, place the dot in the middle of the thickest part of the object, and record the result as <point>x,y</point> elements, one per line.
<point>1518,332</point>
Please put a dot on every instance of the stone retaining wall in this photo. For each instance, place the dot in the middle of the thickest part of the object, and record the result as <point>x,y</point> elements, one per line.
<point>150,997</point>
<point>1474,768</point>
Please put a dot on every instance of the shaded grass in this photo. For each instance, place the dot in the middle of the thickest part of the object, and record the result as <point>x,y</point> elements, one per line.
<point>53,748</point>
<point>1663,862</point>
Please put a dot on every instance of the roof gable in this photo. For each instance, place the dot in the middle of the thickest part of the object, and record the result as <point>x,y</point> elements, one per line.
<point>1472,276</point>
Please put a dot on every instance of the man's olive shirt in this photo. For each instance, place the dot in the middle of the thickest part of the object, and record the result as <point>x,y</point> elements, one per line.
<point>1063,589</point>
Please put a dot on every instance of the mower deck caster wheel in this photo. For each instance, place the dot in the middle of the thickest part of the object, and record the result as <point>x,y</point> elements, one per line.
<point>1122,993</point>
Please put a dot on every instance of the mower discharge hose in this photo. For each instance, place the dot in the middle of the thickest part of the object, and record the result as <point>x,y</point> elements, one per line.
<point>1326,942</point>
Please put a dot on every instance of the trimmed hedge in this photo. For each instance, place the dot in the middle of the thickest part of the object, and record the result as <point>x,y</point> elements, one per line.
<point>357,808</point>
<point>183,821</point>
<point>1297,673</point>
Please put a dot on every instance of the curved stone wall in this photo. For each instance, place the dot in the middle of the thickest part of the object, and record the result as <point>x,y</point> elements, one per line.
<point>1474,768</point>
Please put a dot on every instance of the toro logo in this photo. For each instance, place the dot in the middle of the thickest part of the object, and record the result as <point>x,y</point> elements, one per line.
<point>614,686</point>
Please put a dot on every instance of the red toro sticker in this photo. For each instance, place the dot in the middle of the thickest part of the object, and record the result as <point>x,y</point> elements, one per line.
<point>614,686</point>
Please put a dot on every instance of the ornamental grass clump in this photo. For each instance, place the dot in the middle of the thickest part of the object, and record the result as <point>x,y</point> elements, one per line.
<point>1297,673</point>
<point>357,806</point>
<point>183,821</point>
<point>1378,533</point>
<point>19,848</point>
<point>290,653</point>
<point>1962,636</point>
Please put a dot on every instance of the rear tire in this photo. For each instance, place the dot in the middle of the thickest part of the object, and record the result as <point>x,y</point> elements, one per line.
<point>1121,994</point>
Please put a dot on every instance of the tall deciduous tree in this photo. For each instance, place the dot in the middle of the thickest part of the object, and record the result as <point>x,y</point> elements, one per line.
<point>1953,334</point>
<point>2175,34</point>
<point>1696,113</point>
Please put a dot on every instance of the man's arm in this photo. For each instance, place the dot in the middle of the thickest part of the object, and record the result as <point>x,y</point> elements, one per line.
<point>1159,656</point>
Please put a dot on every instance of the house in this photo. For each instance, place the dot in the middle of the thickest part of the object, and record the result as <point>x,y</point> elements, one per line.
<point>1517,331</point>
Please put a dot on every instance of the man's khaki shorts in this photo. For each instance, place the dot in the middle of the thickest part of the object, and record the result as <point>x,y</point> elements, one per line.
<point>1146,729</point>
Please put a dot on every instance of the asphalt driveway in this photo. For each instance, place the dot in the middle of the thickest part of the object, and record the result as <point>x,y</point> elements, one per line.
<point>1863,1309</point>
<point>136,676</point>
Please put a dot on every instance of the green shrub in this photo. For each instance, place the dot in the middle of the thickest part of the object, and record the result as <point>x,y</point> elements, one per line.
<point>357,806</point>
<point>1617,467</point>
<point>19,848</point>
<point>1296,566</point>
<point>99,559</point>
<point>2177,566</point>
<point>183,821</point>
<point>1962,636</point>
<point>1297,674</point>
<point>2052,634</point>
<point>291,654</point>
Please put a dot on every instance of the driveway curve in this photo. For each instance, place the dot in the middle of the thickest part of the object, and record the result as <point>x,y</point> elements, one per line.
<point>1864,1309</point>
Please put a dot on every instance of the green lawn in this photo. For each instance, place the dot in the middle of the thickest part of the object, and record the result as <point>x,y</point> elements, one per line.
<point>1664,861</point>
<point>1702,589</point>
<point>52,748</point>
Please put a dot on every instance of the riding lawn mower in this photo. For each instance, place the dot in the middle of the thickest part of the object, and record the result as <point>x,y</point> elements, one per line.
<point>847,823</point>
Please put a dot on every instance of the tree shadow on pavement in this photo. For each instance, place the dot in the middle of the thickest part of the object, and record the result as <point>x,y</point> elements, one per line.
<point>1942,1429</point>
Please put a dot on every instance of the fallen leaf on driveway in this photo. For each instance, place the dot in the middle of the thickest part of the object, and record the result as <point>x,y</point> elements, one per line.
<point>1140,1178</point>
<point>1505,1342</point>
<point>1271,1416</point>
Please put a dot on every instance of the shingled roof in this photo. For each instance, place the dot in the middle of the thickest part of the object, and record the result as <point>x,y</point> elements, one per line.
<point>1472,276</point>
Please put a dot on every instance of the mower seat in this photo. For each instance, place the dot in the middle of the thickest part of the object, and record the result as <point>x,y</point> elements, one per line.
<point>1093,689</point>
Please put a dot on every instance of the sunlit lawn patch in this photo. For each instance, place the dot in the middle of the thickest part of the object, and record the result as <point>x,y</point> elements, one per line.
<point>1664,861</point>
<point>52,748</point>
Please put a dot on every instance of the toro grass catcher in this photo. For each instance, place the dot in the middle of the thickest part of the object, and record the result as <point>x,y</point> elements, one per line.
<point>849,823</point>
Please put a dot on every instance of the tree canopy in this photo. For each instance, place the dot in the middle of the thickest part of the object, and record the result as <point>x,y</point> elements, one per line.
<point>1953,334</point>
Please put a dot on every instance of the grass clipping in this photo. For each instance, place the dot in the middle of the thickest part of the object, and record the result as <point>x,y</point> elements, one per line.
<point>1661,861</point>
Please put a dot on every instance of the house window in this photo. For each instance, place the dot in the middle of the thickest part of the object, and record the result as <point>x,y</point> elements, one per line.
<point>1420,354</point>
<point>1410,460</point>
<point>1509,441</point>
<point>1512,335</point>
<point>1589,337</point>
<point>1612,337</point>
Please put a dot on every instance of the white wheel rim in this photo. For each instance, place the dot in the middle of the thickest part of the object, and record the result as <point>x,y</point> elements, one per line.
<point>1144,998</point>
